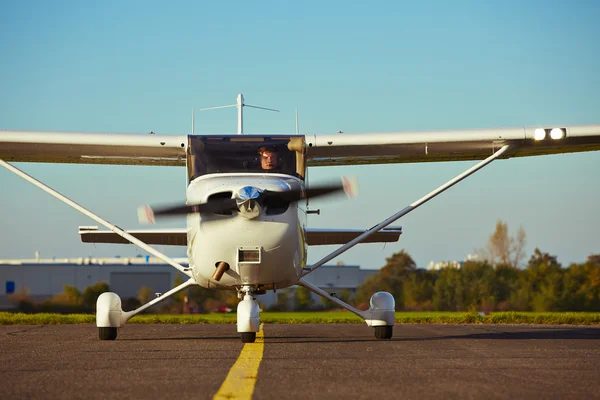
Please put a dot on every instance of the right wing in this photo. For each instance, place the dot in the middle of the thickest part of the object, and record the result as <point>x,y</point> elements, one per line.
<point>168,237</point>
<point>450,145</point>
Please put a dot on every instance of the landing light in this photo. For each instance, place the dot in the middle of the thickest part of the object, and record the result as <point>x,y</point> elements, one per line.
<point>539,134</point>
<point>557,133</point>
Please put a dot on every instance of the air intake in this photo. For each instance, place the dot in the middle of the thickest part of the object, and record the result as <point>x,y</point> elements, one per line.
<point>248,264</point>
<point>246,255</point>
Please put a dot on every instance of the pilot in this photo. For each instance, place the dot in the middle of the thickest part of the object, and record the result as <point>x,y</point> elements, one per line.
<point>269,159</point>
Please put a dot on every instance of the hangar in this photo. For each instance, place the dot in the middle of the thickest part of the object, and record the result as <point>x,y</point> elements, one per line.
<point>42,278</point>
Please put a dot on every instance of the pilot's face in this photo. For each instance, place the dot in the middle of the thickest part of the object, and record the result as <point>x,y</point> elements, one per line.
<point>268,160</point>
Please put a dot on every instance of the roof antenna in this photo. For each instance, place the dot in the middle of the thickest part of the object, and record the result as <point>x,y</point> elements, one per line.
<point>192,121</point>
<point>240,106</point>
<point>297,122</point>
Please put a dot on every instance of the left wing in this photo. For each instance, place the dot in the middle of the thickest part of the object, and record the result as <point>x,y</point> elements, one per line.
<point>409,147</point>
<point>168,237</point>
<point>92,148</point>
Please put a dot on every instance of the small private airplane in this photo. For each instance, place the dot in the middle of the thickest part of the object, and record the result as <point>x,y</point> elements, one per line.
<point>246,224</point>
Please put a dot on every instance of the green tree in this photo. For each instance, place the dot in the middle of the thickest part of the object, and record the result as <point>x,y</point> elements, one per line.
<point>396,275</point>
<point>92,292</point>
<point>145,294</point>
<point>199,295</point>
<point>448,290</point>
<point>392,278</point>
<point>302,299</point>
<point>374,283</point>
<point>346,296</point>
<point>71,295</point>
<point>283,301</point>
<point>542,279</point>
<point>179,296</point>
<point>418,290</point>
<point>506,283</point>
<point>327,304</point>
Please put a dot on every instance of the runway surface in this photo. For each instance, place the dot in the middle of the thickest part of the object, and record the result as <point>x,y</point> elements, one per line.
<point>303,361</point>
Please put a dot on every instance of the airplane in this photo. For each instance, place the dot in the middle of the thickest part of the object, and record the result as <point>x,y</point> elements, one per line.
<point>246,225</point>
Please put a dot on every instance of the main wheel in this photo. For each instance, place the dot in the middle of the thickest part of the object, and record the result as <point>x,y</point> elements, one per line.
<point>384,332</point>
<point>248,337</point>
<point>107,333</point>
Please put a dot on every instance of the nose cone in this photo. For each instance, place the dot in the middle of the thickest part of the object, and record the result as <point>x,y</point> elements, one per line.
<point>249,193</point>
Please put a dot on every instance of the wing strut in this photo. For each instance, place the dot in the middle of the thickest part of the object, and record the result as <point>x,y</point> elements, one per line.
<point>408,209</point>
<point>96,218</point>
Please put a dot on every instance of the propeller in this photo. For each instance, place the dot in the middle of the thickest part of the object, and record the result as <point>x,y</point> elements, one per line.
<point>247,197</point>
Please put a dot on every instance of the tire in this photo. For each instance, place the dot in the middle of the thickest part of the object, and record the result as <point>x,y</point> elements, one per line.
<point>384,332</point>
<point>107,333</point>
<point>248,337</point>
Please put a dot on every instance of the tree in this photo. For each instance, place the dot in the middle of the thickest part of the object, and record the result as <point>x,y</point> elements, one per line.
<point>179,296</point>
<point>302,299</point>
<point>92,292</point>
<point>503,248</point>
<point>448,291</point>
<point>346,296</point>
<point>145,294</point>
<point>543,280</point>
<point>70,296</point>
<point>283,301</point>
<point>391,278</point>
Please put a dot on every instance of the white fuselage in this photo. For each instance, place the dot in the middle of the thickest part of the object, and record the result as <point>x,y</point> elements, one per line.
<point>214,238</point>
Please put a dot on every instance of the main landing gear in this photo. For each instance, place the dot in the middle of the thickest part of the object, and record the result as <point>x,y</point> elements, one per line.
<point>384,332</point>
<point>380,315</point>
<point>110,316</point>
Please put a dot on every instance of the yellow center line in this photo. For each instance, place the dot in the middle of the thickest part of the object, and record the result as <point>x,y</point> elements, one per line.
<point>240,381</point>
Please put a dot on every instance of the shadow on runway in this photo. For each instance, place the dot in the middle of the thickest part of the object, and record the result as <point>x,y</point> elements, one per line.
<point>537,334</point>
<point>173,338</point>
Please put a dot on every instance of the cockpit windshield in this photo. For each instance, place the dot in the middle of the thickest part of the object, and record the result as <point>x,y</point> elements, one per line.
<point>245,153</point>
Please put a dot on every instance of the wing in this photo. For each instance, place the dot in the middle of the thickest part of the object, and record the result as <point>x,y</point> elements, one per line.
<point>321,150</point>
<point>408,147</point>
<point>178,237</point>
<point>316,237</point>
<point>92,148</point>
<point>168,237</point>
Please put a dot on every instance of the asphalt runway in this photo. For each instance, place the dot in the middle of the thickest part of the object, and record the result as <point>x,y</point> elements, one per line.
<point>303,361</point>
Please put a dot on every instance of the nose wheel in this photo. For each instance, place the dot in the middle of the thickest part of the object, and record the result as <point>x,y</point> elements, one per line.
<point>248,337</point>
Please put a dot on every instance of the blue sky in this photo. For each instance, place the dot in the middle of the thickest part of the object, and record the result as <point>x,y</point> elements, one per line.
<point>137,66</point>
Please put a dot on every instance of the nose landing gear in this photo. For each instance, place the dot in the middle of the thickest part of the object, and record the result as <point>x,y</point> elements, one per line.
<point>248,316</point>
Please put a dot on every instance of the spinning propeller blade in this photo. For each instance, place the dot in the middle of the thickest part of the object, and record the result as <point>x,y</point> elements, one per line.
<point>347,185</point>
<point>146,215</point>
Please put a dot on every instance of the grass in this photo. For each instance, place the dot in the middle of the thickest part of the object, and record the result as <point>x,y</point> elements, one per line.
<point>548,318</point>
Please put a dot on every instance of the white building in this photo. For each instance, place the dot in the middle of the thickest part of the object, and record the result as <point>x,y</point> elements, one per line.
<point>436,266</point>
<point>41,278</point>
